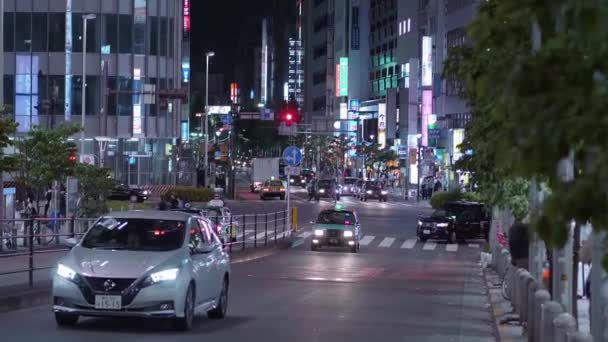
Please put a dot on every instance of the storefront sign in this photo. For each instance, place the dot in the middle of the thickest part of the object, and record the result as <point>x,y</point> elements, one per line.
<point>186,18</point>
<point>427,61</point>
<point>382,125</point>
<point>343,76</point>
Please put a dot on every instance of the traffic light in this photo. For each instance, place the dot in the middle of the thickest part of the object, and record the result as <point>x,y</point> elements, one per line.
<point>72,154</point>
<point>289,115</point>
<point>289,118</point>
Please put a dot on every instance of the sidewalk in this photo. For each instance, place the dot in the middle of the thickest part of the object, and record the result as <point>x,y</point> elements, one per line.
<point>501,309</point>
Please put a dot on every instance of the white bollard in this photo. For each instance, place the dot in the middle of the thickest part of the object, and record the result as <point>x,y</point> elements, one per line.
<point>579,337</point>
<point>563,325</point>
<point>550,311</point>
<point>533,286</point>
<point>541,297</point>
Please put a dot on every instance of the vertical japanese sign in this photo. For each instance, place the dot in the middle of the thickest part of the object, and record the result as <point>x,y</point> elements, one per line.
<point>343,76</point>
<point>427,61</point>
<point>186,18</point>
<point>234,92</point>
<point>427,109</point>
<point>337,80</point>
<point>382,125</point>
<point>68,61</point>
<point>137,126</point>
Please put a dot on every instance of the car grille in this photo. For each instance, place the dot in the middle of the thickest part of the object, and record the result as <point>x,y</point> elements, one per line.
<point>427,224</point>
<point>333,233</point>
<point>97,283</point>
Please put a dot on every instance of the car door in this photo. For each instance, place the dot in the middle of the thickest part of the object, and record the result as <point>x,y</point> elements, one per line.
<point>469,226</point>
<point>202,263</point>
<point>215,259</point>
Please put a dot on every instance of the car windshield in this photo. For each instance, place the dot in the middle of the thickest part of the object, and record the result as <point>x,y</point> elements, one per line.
<point>350,181</point>
<point>324,183</point>
<point>274,183</point>
<point>135,234</point>
<point>336,217</point>
<point>372,185</point>
<point>442,213</point>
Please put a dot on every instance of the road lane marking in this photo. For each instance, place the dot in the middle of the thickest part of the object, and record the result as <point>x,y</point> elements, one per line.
<point>451,247</point>
<point>474,245</point>
<point>367,239</point>
<point>409,244</point>
<point>429,246</point>
<point>304,235</point>
<point>387,242</point>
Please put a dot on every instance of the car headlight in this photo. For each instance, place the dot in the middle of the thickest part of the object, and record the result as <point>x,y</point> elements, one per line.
<point>348,233</point>
<point>66,272</point>
<point>442,225</point>
<point>303,181</point>
<point>321,191</point>
<point>291,181</point>
<point>318,232</point>
<point>384,192</point>
<point>146,192</point>
<point>166,275</point>
<point>420,223</point>
<point>369,192</point>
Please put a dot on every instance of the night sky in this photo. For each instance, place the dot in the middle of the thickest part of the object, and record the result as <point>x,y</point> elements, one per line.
<point>230,28</point>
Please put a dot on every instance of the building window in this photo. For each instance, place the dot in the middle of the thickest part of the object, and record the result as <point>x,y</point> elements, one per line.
<point>9,31</point>
<point>39,32</point>
<point>110,32</point>
<point>139,28</point>
<point>164,37</point>
<point>153,27</point>
<point>112,96</point>
<point>125,100</point>
<point>9,89</point>
<point>23,23</point>
<point>56,32</point>
<point>91,95</point>
<point>171,34</point>
<point>125,34</point>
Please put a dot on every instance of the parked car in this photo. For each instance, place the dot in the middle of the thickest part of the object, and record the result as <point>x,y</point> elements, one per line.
<point>349,186</point>
<point>124,192</point>
<point>456,221</point>
<point>373,190</point>
<point>149,264</point>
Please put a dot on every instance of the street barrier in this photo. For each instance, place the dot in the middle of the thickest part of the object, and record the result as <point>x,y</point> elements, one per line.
<point>564,324</point>
<point>23,239</point>
<point>541,297</point>
<point>549,311</point>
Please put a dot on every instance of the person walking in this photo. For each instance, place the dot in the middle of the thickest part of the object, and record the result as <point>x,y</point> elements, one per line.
<point>311,189</point>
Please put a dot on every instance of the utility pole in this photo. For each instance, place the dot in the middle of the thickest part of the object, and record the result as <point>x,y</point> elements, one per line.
<point>2,213</point>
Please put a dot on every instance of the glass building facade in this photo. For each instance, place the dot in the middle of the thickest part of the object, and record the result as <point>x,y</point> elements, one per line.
<point>134,49</point>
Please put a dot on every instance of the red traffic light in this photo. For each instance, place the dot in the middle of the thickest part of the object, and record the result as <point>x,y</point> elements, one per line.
<point>72,157</point>
<point>289,117</point>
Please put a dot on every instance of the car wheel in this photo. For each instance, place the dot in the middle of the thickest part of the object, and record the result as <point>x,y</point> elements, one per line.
<point>353,249</point>
<point>452,237</point>
<point>222,303</point>
<point>262,198</point>
<point>317,198</point>
<point>364,199</point>
<point>65,319</point>
<point>422,239</point>
<point>185,323</point>
<point>313,247</point>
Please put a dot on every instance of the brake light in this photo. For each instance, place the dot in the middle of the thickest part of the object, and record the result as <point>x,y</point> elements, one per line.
<point>192,231</point>
<point>282,189</point>
<point>158,232</point>
<point>266,189</point>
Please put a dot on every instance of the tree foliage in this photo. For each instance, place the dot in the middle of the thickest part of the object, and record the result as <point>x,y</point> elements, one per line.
<point>8,128</point>
<point>94,187</point>
<point>533,108</point>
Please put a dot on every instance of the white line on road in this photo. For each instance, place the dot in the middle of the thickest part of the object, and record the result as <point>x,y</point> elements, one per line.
<point>304,235</point>
<point>409,243</point>
<point>429,246</point>
<point>297,243</point>
<point>451,247</point>
<point>387,242</point>
<point>367,239</point>
<point>474,245</point>
<point>260,236</point>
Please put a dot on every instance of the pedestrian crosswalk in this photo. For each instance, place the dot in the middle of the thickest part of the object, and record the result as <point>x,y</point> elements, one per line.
<point>397,243</point>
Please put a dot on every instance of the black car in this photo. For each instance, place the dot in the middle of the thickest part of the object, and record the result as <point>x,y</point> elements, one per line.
<point>123,192</point>
<point>456,221</point>
<point>327,188</point>
<point>373,190</point>
<point>307,174</point>
<point>297,181</point>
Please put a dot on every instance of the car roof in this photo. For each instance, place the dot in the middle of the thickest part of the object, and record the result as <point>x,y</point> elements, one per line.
<point>151,214</point>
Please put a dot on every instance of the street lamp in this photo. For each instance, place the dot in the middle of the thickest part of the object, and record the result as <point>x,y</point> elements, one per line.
<point>419,162</point>
<point>85,18</point>
<point>208,55</point>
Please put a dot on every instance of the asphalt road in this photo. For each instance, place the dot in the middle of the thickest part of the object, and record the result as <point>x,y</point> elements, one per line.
<point>394,289</point>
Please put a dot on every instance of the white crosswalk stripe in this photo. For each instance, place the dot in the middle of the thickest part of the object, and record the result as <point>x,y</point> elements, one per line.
<point>260,236</point>
<point>367,239</point>
<point>429,246</point>
<point>387,242</point>
<point>304,235</point>
<point>451,247</point>
<point>409,244</point>
<point>474,245</point>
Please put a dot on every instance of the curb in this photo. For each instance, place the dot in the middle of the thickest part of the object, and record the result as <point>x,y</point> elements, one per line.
<point>499,308</point>
<point>40,294</point>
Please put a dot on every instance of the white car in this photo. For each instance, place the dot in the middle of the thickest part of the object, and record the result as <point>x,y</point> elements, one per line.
<point>144,264</point>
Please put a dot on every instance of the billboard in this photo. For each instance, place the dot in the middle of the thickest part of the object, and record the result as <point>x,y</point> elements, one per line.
<point>343,76</point>
<point>382,125</point>
<point>427,110</point>
<point>427,61</point>
<point>343,111</point>
<point>337,80</point>
<point>186,18</point>
<point>457,139</point>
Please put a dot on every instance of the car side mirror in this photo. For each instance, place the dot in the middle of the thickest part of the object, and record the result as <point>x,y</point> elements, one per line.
<point>204,248</point>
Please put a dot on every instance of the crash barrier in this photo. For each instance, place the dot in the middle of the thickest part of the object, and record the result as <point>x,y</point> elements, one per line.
<point>544,320</point>
<point>34,244</point>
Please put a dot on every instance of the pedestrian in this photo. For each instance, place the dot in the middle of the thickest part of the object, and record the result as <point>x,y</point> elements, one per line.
<point>518,244</point>
<point>311,189</point>
<point>174,203</point>
<point>423,191</point>
<point>437,185</point>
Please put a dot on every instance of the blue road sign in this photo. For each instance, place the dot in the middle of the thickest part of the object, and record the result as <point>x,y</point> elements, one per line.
<point>292,156</point>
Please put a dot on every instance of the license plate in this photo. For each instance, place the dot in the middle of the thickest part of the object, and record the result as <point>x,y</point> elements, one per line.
<point>334,241</point>
<point>108,302</point>
<point>426,231</point>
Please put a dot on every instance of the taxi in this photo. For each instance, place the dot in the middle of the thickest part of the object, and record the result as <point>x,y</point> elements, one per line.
<point>336,227</point>
<point>272,188</point>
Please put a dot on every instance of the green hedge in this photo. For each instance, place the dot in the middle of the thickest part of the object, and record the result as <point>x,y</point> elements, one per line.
<point>439,198</point>
<point>189,194</point>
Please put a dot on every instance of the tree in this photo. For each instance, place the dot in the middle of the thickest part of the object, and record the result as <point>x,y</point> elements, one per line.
<point>43,158</point>
<point>94,187</point>
<point>8,127</point>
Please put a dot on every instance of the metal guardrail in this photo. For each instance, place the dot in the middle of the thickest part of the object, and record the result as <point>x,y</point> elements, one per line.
<point>39,236</point>
<point>544,319</point>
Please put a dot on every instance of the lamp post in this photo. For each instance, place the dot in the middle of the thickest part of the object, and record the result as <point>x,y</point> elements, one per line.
<point>419,163</point>
<point>208,55</point>
<point>85,18</point>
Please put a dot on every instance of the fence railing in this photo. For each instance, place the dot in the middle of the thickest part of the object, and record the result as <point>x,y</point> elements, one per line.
<point>21,240</point>
<point>544,319</point>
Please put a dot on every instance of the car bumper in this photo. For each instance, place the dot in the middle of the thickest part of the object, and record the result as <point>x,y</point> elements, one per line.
<point>333,242</point>
<point>375,196</point>
<point>273,193</point>
<point>432,233</point>
<point>160,300</point>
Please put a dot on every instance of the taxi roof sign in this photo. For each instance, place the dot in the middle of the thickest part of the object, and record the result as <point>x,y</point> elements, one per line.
<point>339,207</point>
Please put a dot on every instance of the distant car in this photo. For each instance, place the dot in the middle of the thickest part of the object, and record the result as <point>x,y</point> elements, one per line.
<point>307,174</point>
<point>149,264</point>
<point>297,181</point>
<point>123,192</point>
<point>226,227</point>
<point>373,190</point>
<point>272,188</point>
<point>336,228</point>
<point>357,187</point>
<point>349,186</point>
<point>456,221</point>
<point>327,188</point>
